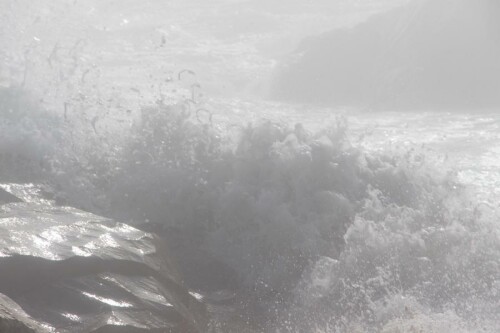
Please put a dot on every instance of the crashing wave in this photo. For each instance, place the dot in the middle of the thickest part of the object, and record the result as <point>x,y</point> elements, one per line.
<point>321,231</point>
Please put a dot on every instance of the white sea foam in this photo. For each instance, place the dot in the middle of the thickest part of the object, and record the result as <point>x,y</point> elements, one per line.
<point>329,234</point>
<point>345,237</point>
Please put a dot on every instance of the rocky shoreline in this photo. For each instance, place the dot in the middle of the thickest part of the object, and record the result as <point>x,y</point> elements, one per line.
<point>66,270</point>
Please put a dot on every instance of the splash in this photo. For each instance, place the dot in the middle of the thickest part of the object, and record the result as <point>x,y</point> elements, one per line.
<point>312,231</point>
<point>322,231</point>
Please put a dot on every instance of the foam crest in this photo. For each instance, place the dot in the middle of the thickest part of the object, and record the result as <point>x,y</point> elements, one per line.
<point>324,232</point>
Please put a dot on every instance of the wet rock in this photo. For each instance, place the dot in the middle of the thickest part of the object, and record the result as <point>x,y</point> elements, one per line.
<point>14,319</point>
<point>73,271</point>
<point>6,197</point>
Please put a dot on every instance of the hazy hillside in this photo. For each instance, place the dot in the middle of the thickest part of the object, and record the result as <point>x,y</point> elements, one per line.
<point>437,54</point>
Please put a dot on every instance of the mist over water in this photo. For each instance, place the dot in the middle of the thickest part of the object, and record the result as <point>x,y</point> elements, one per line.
<point>323,216</point>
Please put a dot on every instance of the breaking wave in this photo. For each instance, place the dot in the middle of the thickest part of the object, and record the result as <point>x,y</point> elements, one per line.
<point>323,235</point>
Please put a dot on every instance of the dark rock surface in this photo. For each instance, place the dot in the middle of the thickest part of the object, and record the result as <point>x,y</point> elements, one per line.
<point>14,319</point>
<point>428,54</point>
<point>6,197</point>
<point>66,270</point>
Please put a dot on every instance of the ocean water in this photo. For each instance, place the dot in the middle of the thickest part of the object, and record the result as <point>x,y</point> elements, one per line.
<point>315,219</point>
